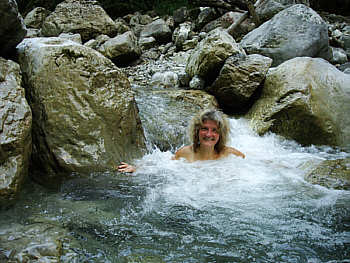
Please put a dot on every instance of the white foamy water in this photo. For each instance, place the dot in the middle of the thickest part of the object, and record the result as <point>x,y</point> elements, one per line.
<point>242,210</point>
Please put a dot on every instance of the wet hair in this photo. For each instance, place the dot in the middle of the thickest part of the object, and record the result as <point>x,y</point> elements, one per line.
<point>221,121</point>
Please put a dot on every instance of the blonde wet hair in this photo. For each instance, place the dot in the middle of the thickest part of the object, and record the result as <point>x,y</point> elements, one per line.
<point>221,121</point>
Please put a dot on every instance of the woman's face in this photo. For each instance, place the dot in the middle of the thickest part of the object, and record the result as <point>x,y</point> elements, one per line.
<point>209,133</point>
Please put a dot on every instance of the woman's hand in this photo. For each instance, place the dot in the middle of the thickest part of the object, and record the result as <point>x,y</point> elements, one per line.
<point>127,168</point>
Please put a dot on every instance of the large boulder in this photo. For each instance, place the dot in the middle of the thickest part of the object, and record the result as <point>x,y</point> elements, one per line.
<point>268,8</point>
<point>159,30</point>
<point>122,49</point>
<point>78,16</point>
<point>305,99</point>
<point>239,78</point>
<point>12,28</point>
<point>294,32</point>
<point>210,55</point>
<point>36,17</point>
<point>15,132</point>
<point>85,117</point>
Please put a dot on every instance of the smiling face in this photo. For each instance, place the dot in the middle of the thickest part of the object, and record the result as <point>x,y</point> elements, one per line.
<point>209,133</point>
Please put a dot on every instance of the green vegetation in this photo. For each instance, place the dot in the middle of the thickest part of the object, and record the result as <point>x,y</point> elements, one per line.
<point>115,8</point>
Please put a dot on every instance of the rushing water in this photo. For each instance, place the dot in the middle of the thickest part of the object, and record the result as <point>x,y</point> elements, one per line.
<point>258,209</point>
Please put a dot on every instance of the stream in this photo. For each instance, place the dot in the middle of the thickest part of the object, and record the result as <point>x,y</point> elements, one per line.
<point>258,209</point>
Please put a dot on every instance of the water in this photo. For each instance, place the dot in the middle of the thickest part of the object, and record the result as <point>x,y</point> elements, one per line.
<point>258,209</point>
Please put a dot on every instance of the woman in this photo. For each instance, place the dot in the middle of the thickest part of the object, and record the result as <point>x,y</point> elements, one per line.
<point>209,132</point>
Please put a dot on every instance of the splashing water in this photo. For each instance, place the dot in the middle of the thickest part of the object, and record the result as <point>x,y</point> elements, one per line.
<point>257,209</point>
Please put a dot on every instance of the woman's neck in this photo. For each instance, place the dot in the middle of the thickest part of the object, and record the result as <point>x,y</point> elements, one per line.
<point>204,153</point>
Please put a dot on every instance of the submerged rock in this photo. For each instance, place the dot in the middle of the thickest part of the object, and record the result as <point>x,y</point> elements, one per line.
<point>334,174</point>
<point>15,132</point>
<point>85,117</point>
<point>305,99</point>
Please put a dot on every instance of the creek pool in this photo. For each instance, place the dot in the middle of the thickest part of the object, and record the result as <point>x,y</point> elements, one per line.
<point>259,209</point>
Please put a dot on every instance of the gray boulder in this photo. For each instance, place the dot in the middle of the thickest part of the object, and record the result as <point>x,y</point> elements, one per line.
<point>165,80</point>
<point>210,55</point>
<point>268,8</point>
<point>181,15</point>
<point>36,17</point>
<point>206,16</point>
<point>159,30</point>
<point>122,49</point>
<point>72,37</point>
<point>197,83</point>
<point>78,16</point>
<point>239,78</point>
<point>181,34</point>
<point>12,28</point>
<point>85,115</point>
<point>339,56</point>
<point>305,99</point>
<point>15,132</point>
<point>345,40</point>
<point>294,32</point>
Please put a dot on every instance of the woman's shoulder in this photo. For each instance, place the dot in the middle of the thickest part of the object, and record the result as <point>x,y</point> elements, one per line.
<point>229,150</point>
<point>184,152</point>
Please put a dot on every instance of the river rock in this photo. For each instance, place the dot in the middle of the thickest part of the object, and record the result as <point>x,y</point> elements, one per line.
<point>78,16</point>
<point>305,99</point>
<point>181,34</point>
<point>165,80</point>
<point>210,54</point>
<point>239,78</point>
<point>268,8</point>
<point>345,40</point>
<point>34,243</point>
<point>197,97</point>
<point>345,67</point>
<point>85,115</point>
<point>190,43</point>
<point>36,17</point>
<point>333,174</point>
<point>12,28</point>
<point>73,37</point>
<point>159,30</point>
<point>242,29</point>
<point>181,15</point>
<point>122,49</point>
<point>294,32</point>
<point>197,83</point>
<point>15,132</point>
<point>206,16</point>
<point>339,56</point>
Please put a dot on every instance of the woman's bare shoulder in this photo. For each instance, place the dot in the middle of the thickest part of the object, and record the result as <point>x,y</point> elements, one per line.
<point>184,152</point>
<point>230,150</point>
